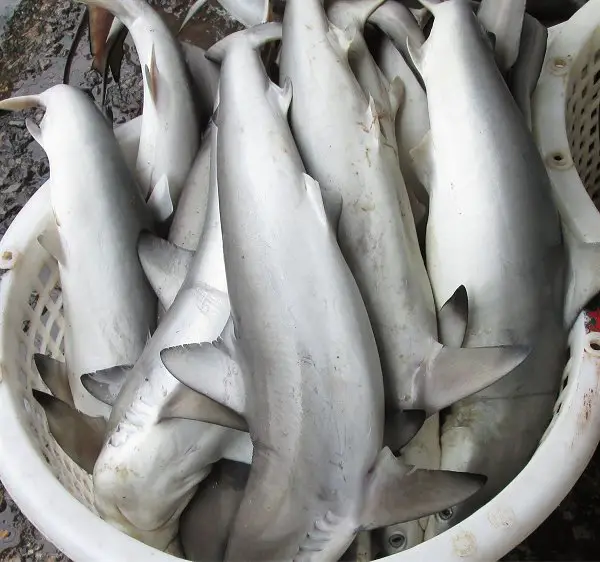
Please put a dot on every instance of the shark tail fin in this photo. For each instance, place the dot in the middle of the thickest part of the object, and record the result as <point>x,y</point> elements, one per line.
<point>80,436</point>
<point>397,492</point>
<point>165,266</point>
<point>249,12</point>
<point>55,376</point>
<point>347,12</point>
<point>255,37</point>
<point>19,103</point>
<point>194,9</point>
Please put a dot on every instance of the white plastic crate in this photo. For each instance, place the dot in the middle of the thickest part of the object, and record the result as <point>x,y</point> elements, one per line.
<point>56,495</point>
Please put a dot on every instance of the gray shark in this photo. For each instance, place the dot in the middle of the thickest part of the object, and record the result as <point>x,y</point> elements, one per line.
<point>301,363</point>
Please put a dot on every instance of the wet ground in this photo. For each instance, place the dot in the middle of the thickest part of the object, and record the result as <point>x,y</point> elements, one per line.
<point>36,38</point>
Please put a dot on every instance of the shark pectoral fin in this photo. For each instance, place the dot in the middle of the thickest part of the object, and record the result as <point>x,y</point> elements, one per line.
<point>256,36</point>
<point>50,241</point>
<point>35,131</point>
<point>160,202</point>
<point>397,492</point>
<point>188,404</point>
<point>423,161</point>
<point>453,374</point>
<point>105,385</point>
<point>281,97</point>
<point>80,436</point>
<point>165,266</point>
<point>196,7</point>
<point>453,318</point>
<point>55,375</point>
<point>208,368</point>
<point>401,427</point>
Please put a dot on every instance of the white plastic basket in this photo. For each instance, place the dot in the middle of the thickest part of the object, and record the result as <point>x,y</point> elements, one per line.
<point>56,495</point>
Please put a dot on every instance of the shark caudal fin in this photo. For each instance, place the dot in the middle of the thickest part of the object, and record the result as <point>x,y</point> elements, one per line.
<point>346,13</point>
<point>165,266</point>
<point>505,21</point>
<point>399,24</point>
<point>397,492</point>
<point>194,9</point>
<point>212,371</point>
<point>80,436</point>
<point>105,385</point>
<point>55,375</point>
<point>255,37</point>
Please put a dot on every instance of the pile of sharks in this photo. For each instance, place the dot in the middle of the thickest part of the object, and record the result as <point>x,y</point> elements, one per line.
<point>316,296</point>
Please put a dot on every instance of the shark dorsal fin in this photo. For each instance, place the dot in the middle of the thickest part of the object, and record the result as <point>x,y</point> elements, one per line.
<point>165,266</point>
<point>453,318</point>
<point>55,375</point>
<point>80,436</point>
<point>397,492</point>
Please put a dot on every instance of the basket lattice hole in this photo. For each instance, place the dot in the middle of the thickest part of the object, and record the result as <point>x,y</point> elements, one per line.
<point>594,344</point>
<point>560,63</point>
<point>44,274</point>
<point>559,160</point>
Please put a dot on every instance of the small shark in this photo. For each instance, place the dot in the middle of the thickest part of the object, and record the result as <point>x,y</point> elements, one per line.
<point>299,356</point>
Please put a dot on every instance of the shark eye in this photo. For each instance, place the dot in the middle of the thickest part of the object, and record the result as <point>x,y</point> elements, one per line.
<point>446,514</point>
<point>397,541</point>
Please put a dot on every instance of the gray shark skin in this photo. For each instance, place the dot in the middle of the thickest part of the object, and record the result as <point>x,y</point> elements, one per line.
<point>109,307</point>
<point>170,134</point>
<point>206,522</point>
<point>505,21</point>
<point>147,441</point>
<point>524,75</point>
<point>399,24</point>
<point>350,148</point>
<point>318,473</point>
<point>493,228</point>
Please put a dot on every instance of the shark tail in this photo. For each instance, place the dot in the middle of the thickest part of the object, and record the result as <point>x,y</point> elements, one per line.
<point>22,102</point>
<point>255,37</point>
<point>55,376</point>
<point>80,436</point>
